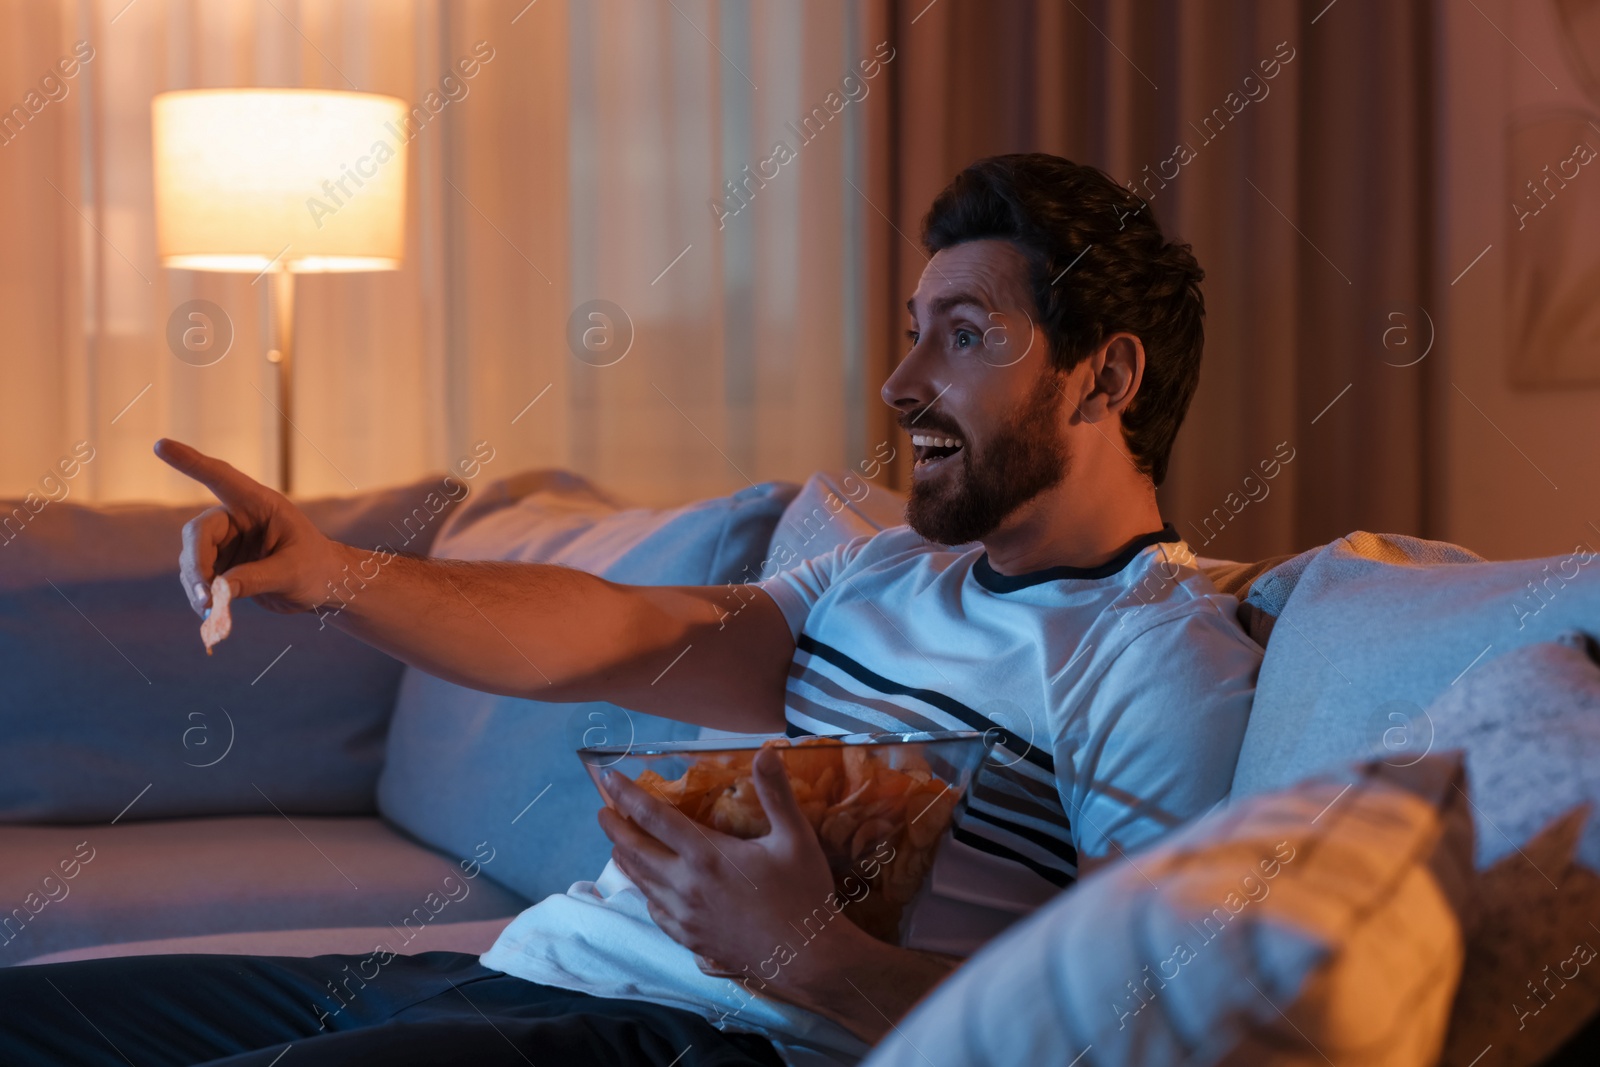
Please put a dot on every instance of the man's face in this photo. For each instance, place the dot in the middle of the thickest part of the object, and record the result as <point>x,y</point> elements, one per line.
<point>977,394</point>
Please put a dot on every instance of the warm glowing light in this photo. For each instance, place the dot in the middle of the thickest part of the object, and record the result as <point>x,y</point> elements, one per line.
<point>247,179</point>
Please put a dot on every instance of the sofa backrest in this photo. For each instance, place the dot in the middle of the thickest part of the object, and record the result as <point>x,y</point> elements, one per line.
<point>110,705</point>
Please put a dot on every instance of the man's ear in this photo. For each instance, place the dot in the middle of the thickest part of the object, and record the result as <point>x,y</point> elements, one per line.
<point>1116,370</point>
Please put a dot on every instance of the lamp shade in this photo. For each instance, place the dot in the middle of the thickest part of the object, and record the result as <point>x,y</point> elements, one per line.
<point>309,180</point>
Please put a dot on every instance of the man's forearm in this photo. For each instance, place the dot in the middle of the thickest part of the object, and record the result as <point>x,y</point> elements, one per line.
<point>503,627</point>
<point>554,633</point>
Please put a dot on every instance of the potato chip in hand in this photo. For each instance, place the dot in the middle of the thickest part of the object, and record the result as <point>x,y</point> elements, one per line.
<point>218,622</point>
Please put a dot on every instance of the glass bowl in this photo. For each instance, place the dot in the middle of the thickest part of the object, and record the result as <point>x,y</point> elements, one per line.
<point>880,803</point>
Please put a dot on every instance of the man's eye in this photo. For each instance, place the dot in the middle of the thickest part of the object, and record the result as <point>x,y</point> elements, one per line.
<point>913,337</point>
<point>966,338</point>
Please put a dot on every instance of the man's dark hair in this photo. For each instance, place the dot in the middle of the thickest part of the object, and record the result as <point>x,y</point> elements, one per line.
<point>1098,265</point>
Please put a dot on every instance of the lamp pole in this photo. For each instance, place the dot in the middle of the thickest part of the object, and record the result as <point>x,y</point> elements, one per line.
<point>281,286</point>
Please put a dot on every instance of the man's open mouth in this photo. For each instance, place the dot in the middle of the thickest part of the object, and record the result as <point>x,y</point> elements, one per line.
<point>931,450</point>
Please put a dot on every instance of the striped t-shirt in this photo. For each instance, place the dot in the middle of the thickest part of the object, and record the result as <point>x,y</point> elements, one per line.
<point>1120,693</point>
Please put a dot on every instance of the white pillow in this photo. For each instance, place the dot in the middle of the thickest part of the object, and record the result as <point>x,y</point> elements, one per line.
<point>831,509</point>
<point>1314,925</point>
<point>1374,629</point>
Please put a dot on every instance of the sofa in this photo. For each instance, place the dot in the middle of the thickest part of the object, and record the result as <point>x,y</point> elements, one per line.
<point>298,793</point>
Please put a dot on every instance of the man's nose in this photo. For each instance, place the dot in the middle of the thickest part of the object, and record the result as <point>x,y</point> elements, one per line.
<point>909,387</point>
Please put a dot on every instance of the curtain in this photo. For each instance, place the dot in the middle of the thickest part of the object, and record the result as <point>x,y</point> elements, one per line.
<point>713,153</point>
<point>1304,196</point>
<point>88,358</point>
<point>726,188</point>
<point>586,161</point>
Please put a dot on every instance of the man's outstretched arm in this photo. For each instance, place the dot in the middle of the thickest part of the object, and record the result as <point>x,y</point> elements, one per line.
<point>524,629</point>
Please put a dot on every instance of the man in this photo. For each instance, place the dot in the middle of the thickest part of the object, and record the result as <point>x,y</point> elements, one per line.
<point>1054,345</point>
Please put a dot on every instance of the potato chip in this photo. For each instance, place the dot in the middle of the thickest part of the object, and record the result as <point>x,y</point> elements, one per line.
<point>929,809</point>
<point>704,782</point>
<point>218,622</point>
<point>858,767</point>
<point>738,812</point>
<point>653,783</point>
<point>870,834</point>
<point>813,811</point>
<point>856,800</point>
<point>836,831</point>
<point>814,760</point>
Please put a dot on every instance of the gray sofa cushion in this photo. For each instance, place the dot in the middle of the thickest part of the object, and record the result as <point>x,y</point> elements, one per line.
<point>463,765</point>
<point>1530,723</point>
<point>1362,645</point>
<point>108,690</point>
<point>65,887</point>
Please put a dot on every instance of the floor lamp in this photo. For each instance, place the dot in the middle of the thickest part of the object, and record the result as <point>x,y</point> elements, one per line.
<point>279,182</point>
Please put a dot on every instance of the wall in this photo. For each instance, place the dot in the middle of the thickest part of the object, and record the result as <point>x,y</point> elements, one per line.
<point>1517,466</point>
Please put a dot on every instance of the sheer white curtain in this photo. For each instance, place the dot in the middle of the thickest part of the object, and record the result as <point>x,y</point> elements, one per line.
<point>747,305</point>
<point>584,161</point>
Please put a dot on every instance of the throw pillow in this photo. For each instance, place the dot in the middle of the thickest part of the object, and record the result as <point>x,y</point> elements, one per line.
<point>1532,972</point>
<point>1269,592</point>
<point>1530,724</point>
<point>465,766</point>
<point>1364,644</point>
<point>831,509</point>
<point>1310,926</point>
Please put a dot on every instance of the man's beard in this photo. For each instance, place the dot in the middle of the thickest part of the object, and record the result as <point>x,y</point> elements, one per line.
<point>1022,460</point>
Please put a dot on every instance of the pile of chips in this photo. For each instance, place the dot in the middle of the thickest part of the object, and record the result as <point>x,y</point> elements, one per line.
<point>854,798</point>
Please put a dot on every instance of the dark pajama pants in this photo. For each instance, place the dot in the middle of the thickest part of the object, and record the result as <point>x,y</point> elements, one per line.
<point>256,1011</point>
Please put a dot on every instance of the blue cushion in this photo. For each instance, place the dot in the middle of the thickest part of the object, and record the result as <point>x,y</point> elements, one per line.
<point>108,690</point>
<point>465,766</point>
<point>1375,629</point>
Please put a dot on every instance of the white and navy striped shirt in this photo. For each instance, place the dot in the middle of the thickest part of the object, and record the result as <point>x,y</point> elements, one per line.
<point>1119,693</point>
<point>1122,693</point>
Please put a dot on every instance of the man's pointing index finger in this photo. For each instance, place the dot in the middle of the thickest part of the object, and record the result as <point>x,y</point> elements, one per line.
<point>226,482</point>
